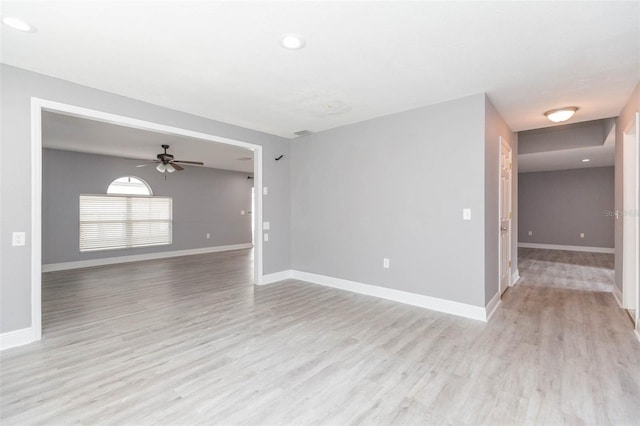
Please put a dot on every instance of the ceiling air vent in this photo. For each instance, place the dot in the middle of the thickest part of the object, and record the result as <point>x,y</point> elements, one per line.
<point>302,132</point>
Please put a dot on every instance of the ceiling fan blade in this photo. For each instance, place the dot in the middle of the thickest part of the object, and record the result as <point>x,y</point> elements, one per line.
<point>200,163</point>
<point>147,164</point>
<point>177,167</point>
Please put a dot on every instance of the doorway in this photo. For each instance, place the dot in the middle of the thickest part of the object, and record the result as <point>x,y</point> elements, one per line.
<point>631,218</point>
<point>506,170</point>
<point>38,106</point>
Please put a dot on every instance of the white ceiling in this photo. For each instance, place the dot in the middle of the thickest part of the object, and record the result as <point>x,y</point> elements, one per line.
<point>95,137</point>
<point>223,60</point>
<point>567,159</point>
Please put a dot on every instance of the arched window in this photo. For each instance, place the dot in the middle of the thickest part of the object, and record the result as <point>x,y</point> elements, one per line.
<point>129,185</point>
<point>127,216</point>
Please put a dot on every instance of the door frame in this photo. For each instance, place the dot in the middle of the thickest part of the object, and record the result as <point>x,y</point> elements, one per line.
<point>503,142</point>
<point>38,105</point>
<point>633,214</point>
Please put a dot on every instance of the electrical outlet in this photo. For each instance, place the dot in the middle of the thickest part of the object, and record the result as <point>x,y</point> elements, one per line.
<point>530,233</point>
<point>18,239</point>
<point>266,237</point>
<point>466,214</point>
<point>208,236</point>
<point>385,263</point>
<point>265,191</point>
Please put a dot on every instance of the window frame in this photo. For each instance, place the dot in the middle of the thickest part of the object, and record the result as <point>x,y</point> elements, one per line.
<point>142,181</point>
<point>128,235</point>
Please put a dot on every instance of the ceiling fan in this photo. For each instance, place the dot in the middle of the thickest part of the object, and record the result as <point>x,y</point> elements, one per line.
<point>166,163</point>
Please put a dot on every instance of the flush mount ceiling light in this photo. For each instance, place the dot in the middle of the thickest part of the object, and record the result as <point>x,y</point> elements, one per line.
<point>561,114</point>
<point>18,24</point>
<point>292,41</point>
<point>585,160</point>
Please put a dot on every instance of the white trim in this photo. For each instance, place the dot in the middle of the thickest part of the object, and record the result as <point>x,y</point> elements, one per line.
<point>617,294</point>
<point>258,250</point>
<point>631,217</point>
<point>492,306</point>
<point>637,333</point>
<point>502,142</point>
<point>36,219</point>
<point>568,248</point>
<point>276,277</point>
<point>51,267</point>
<point>14,338</point>
<point>515,277</point>
<point>37,106</point>
<point>433,303</point>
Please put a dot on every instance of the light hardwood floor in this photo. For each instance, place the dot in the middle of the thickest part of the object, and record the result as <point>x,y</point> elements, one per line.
<point>190,341</point>
<point>567,269</point>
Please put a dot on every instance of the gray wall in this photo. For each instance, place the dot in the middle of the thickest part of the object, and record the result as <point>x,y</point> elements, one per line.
<point>495,127</point>
<point>627,115</point>
<point>566,136</point>
<point>395,187</point>
<point>557,206</point>
<point>205,201</point>
<point>18,86</point>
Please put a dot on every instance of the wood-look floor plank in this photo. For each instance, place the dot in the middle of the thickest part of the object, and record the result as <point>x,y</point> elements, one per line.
<point>190,341</point>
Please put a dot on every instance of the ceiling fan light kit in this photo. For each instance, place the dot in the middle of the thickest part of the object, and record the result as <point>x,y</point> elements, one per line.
<point>166,163</point>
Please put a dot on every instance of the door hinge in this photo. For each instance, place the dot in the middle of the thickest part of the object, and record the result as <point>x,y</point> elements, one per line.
<point>509,264</point>
<point>509,215</point>
<point>510,165</point>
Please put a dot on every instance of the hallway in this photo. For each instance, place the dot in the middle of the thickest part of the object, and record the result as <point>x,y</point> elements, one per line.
<point>571,270</point>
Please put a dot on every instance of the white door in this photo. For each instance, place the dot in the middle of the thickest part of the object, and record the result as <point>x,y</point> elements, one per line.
<point>630,217</point>
<point>505,214</point>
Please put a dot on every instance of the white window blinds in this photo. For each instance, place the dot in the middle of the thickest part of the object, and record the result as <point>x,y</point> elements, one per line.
<point>114,222</point>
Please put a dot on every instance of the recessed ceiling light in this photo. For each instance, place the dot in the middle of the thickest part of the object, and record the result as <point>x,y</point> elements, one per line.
<point>18,24</point>
<point>561,114</point>
<point>292,41</point>
<point>585,160</point>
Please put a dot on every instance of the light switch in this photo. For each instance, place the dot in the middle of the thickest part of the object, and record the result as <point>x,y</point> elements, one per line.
<point>265,191</point>
<point>385,263</point>
<point>530,233</point>
<point>266,237</point>
<point>466,214</point>
<point>582,235</point>
<point>266,226</point>
<point>242,212</point>
<point>208,236</point>
<point>18,239</point>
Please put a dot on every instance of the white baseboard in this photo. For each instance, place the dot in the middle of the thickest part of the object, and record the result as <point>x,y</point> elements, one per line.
<point>12,339</point>
<point>568,248</point>
<point>276,277</point>
<point>435,304</point>
<point>617,294</point>
<point>51,267</point>
<point>515,277</point>
<point>492,306</point>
